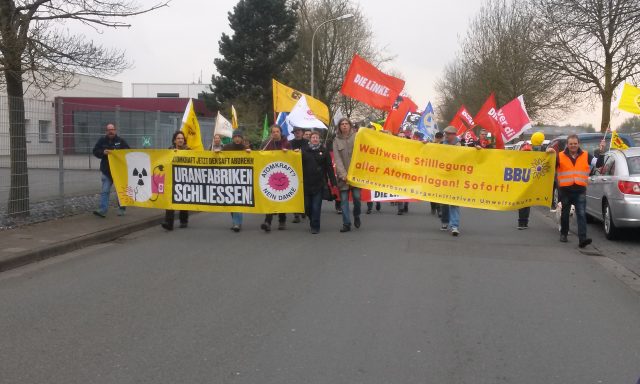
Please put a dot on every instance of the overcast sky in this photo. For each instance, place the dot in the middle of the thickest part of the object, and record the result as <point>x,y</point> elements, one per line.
<point>177,44</point>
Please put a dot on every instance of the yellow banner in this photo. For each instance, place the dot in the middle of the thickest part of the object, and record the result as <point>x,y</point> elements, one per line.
<point>234,181</point>
<point>285,98</point>
<point>487,178</point>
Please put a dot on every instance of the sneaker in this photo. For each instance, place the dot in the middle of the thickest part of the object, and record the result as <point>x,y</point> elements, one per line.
<point>282,226</point>
<point>563,238</point>
<point>235,228</point>
<point>345,228</point>
<point>265,227</point>
<point>314,231</point>
<point>167,226</point>
<point>296,219</point>
<point>444,227</point>
<point>339,211</point>
<point>368,211</point>
<point>400,212</point>
<point>100,213</point>
<point>522,226</point>
<point>121,211</point>
<point>184,225</point>
<point>455,231</point>
<point>356,222</point>
<point>584,243</point>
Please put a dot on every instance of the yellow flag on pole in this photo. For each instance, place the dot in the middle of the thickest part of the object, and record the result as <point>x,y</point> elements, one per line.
<point>234,118</point>
<point>616,141</point>
<point>191,128</point>
<point>285,98</point>
<point>630,99</point>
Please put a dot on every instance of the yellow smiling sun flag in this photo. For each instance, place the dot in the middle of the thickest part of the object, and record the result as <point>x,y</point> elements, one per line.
<point>630,99</point>
<point>285,98</point>
<point>616,141</point>
<point>191,128</point>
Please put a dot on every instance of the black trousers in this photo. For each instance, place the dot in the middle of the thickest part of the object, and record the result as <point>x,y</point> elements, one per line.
<point>282,218</point>
<point>169,216</point>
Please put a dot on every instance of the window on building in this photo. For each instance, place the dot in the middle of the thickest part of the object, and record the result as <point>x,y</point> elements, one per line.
<point>168,94</point>
<point>44,130</point>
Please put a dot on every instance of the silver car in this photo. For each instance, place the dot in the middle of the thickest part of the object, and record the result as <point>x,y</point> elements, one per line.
<point>613,193</point>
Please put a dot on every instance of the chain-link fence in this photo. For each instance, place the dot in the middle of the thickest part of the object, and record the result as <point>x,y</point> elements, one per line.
<point>47,168</point>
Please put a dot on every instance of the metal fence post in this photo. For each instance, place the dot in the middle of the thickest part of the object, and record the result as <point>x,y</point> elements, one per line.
<point>60,131</point>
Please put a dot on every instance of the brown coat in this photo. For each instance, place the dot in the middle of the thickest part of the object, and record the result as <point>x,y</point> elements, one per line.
<point>342,151</point>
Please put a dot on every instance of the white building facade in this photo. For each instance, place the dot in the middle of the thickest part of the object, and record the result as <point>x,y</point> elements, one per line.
<point>191,91</point>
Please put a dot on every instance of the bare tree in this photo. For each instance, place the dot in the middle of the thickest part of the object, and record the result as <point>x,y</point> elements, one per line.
<point>594,44</point>
<point>34,48</point>
<point>334,45</point>
<point>496,55</point>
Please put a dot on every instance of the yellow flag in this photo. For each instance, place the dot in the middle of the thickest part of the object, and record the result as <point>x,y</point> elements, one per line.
<point>630,99</point>
<point>377,126</point>
<point>191,128</point>
<point>616,141</point>
<point>234,118</point>
<point>285,98</point>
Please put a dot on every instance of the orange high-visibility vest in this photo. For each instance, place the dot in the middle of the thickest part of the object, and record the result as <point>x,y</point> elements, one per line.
<point>570,174</point>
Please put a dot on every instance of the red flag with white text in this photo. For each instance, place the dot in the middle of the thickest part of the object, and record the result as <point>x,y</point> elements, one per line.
<point>463,122</point>
<point>396,116</point>
<point>513,119</point>
<point>366,83</point>
<point>485,120</point>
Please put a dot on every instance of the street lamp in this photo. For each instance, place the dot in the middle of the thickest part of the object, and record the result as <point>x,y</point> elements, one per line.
<point>343,17</point>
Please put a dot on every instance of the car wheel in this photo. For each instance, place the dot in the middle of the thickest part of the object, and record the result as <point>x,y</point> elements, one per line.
<point>610,229</point>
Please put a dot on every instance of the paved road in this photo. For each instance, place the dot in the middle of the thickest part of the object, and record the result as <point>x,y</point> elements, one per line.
<point>397,301</point>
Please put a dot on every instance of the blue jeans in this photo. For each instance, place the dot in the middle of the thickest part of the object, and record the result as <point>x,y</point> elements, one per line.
<point>236,218</point>
<point>312,208</point>
<point>344,203</point>
<point>579,200</point>
<point>104,195</point>
<point>450,215</point>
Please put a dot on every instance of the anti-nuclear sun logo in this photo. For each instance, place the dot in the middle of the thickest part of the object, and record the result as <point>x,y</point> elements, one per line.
<point>539,168</point>
<point>278,181</point>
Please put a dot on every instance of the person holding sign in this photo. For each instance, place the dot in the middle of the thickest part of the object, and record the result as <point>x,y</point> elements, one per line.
<point>275,142</point>
<point>178,142</point>
<point>237,144</point>
<point>105,145</point>
<point>342,151</point>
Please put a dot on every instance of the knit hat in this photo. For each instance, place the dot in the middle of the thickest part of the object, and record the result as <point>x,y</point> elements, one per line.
<point>237,132</point>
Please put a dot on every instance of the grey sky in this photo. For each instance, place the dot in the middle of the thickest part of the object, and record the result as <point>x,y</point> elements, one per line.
<point>178,43</point>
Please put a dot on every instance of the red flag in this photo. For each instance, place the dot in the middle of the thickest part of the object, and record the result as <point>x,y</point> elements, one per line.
<point>485,120</point>
<point>464,123</point>
<point>366,83</point>
<point>397,115</point>
<point>513,119</point>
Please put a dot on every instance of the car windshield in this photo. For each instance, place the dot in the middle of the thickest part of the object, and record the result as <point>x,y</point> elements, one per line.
<point>634,165</point>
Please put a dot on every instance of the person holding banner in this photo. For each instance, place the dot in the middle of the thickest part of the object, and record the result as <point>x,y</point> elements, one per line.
<point>298,142</point>
<point>101,150</point>
<point>316,170</point>
<point>342,151</point>
<point>275,142</point>
<point>450,217</point>
<point>438,137</point>
<point>573,165</point>
<point>179,141</point>
<point>237,144</point>
<point>216,146</point>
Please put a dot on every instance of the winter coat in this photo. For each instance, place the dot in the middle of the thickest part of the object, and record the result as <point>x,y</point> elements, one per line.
<point>316,169</point>
<point>342,151</point>
<point>271,145</point>
<point>105,143</point>
<point>299,143</point>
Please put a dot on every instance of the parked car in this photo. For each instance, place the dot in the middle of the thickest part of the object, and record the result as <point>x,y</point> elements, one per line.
<point>588,142</point>
<point>613,193</point>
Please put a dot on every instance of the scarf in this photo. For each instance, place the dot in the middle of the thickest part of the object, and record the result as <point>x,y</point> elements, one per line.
<point>315,147</point>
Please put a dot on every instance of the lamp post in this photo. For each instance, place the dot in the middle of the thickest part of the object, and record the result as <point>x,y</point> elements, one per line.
<point>343,17</point>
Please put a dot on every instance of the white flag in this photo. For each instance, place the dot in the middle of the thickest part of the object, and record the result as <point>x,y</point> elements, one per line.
<point>301,116</point>
<point>337,115</point>
<point>223,127</point>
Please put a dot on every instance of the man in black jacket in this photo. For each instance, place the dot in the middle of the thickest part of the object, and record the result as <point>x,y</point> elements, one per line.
<point>101,150</point>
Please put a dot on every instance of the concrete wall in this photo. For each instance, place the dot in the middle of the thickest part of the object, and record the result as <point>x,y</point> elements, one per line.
<point>153,89</point>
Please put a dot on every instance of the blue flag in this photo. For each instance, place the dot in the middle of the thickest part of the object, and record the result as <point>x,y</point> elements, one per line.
<point>427,124</point>
<point>282,122</point>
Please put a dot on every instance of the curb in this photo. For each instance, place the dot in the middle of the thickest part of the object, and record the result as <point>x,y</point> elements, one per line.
<point>45,252</point>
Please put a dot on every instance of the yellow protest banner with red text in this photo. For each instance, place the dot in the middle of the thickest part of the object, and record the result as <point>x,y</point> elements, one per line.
<point>234,181</point>
<point>487,178</point>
